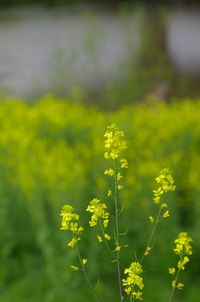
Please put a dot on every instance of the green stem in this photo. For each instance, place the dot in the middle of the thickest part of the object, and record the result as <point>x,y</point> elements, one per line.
<point>131,296</point>
<point>117,234</point>
<point>86,275</point>
<point>153,231</point>
<point>105,241</point>
<point>174,287</point>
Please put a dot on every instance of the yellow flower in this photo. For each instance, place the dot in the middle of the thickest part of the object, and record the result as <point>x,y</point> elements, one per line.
<point>133,279</point>
<point>119,176</point>
<point>166,180</point>
<point>105,223</point>
<point>172,270</point>
<point>124,163</point>
<point>183,244</point>
<point>107,236</point>
<point>120,187</point>
<point>114,142</point>
<point>182,262</point>
<point>182,248</point>
<point>109,193</point>
<point>109,172</point>
<point>84,261</point>
<point>98,211</point>
<point>99,238</point>
<point>70,223</point>
<point>166,214</point>
<point>163,205</point>
<point>166,184</point>
<point>137,295</point>
<point>180,285</point>
<point>118,248</point>
<point>68,217</point>
<point>73,242</point>
<point>151,219</point>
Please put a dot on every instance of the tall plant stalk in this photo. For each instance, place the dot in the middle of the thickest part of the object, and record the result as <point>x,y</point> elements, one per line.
<point>117,235</point>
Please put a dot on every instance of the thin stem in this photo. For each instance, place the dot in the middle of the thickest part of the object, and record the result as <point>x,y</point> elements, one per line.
<point>86,275</point>
<point>117,234</point>
<point>153,231</point>
<point>175,282</point>
<point>105,241</point>
<point>131,296</point>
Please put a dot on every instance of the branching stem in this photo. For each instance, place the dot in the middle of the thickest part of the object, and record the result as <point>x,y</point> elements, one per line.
<point>153,231</point>
<point>86,276</point>
<point>175,282</point>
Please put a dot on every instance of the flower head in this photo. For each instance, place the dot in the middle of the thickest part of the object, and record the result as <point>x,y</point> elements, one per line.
<point>165,183</point>
<point>99,212</point>
<point>183,249</point>
<point>114,142</point>
<point>133,280</point>
<point>70,223</point>
<point>183,244</point>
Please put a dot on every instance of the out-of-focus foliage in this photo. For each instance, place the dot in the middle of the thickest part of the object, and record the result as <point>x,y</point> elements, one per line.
<point>112,3</point>
<point>51,153</point>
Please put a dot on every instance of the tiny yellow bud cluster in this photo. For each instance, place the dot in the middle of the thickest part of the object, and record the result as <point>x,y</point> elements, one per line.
<point>148,250</point>
<point>183,244</point>
<point>182,248</point>
<point>165,184</point>
<point>84,261</point>
<point>123,163</point>
<point>69,223</point>
<point>109,172</point>
<point>114,142</point>
<point>172,270</point>
<point>99,214</point>
<point>133,280</point>
<point>114,145</point>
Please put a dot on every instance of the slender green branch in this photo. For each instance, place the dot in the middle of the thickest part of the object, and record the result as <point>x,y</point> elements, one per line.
<point>117,235</point>
<point>153,231</point>
<point>175,282</point>
<point>86,275</point>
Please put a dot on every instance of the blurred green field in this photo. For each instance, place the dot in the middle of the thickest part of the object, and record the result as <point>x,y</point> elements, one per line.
<point>51,153</point>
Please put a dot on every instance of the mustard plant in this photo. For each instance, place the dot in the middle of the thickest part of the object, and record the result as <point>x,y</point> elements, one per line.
<point>183,249</point>
<point>131,283</point>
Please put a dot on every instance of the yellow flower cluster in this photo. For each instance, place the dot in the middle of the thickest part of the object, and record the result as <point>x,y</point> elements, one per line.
<point>69,223</point>
<point>99,211</point>
<point>183,244</point>
<point>124,163</point>
<point>114,142</point>
<point>165,184</point>
<point>182,248</point>
<point>134,279</point>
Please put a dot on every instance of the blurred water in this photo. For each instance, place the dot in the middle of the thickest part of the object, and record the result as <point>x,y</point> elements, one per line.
<point>44,50</point>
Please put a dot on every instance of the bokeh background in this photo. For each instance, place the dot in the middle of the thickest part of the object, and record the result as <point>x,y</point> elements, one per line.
<point>67,70</point>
